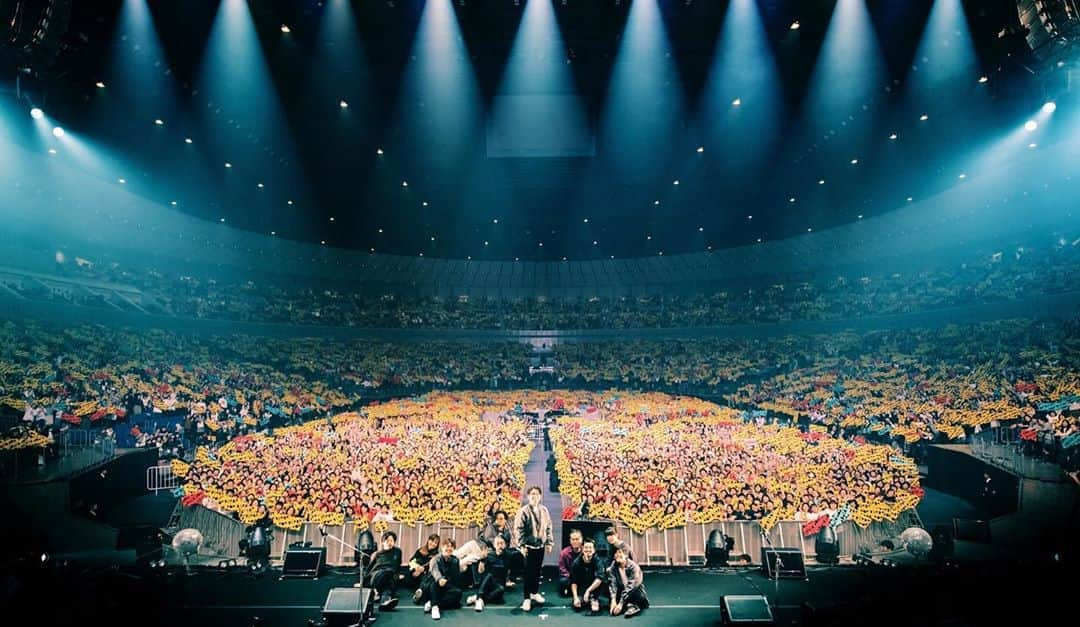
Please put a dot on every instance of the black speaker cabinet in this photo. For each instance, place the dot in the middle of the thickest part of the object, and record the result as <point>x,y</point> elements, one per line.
<point>347,606</point>
<point>745,609</point>
<point>971,530</point>
<point>304,562</point>
<point>782,563</point>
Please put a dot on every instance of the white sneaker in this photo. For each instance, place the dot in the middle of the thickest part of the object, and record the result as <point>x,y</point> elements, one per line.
<point>479,605</point>
<point>537,598</point>
<point>526,605</point>
<point>435,612</point>
<point>427,607</point>
<point>471,599</point>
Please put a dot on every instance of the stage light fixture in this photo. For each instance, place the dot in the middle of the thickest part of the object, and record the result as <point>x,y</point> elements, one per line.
<point>57,131</point>
<point>122,182</point>
<point>792,199</point>
<point>962,176</point>
<point>736,102</point>
<point>228,165</point>
<point>821,181</point>
<point>99,85</point>
<point>36,113</point>
<point>159,121</point>
<point>285,29</point>
<point>893,136</point>
<point>984,78</point>
<point>701,149</point>
<point>260,185</point>
<point>404,183</point>
<point>924,117</point>
<point>343,104</point>
<point>675,182</point>
<point>52,151</point>
<point>1049,107</point>
<point>854,162</point>
<point>795,25</point>
<point>1030,125</point>
<point>1032,145</point>
<point>187,140</point>
<point>379,151</point>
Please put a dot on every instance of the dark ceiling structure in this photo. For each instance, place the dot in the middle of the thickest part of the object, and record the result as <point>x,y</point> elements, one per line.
<point>350,125</point>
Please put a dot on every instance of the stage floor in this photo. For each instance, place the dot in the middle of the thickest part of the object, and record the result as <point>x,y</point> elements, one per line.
<point>848,595</point>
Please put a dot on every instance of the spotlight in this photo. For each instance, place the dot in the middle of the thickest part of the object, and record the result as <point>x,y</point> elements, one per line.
<point>285,29</point>
<point>122,182</point>
<point>701,149</point>
<point>99,85</point>
<point>675,182</point>
<point>159,122</point>
<point>57,131</point>
<point>854,162</point>
<point>44,557</point>
<point>821,181</point>
<point>794,25</point>
<point>924,117</point>
<point>52,151</point>
<point>378,151</point>
<point>736,102</point>
<point>36,113</point>
<point>228,165</point>
<point>404,183</point>
<point>343,104</point>
<point>1049,107</point>
<point>260,186</point>
<point>1030,125</point>
<point>1032,145</point>
<point>983,79</point>
<point>187,140</point>
<point>893,136</point>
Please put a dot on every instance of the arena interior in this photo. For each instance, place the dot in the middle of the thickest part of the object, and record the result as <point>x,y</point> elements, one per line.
<point>696,312</point>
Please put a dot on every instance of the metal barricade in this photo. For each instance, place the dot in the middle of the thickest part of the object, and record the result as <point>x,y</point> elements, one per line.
<point>161,478</point>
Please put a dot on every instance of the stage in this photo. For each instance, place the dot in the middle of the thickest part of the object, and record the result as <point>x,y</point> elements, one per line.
<point>921,594</point>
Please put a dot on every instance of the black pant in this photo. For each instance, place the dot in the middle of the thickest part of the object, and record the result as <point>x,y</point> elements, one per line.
<point>384,580</point>
<point>534,561</point>
<point>414,583</point>
<point>446,597</point>
<point>564,586</point>
<point>490,589</point>
<point>636,597</point>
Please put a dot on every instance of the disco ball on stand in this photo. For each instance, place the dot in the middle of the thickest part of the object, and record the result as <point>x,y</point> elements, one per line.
<point>186,543</point>
<point>917,541</point>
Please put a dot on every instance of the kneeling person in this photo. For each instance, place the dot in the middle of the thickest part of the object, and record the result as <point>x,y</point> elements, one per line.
<point>627,586</point>
<point>587,578</point>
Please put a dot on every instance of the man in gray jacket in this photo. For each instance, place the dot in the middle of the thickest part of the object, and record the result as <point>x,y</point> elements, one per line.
<point>532,536</point>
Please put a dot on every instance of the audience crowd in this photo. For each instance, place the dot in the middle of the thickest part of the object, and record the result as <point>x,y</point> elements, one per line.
<point>990,275</point>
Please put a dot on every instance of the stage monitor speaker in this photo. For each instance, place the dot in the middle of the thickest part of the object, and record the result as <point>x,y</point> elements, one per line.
<point>791,564</point>
<point>973,530</point>
<point>304,562</point>
<point>347,606</point>
<point>745,609</point>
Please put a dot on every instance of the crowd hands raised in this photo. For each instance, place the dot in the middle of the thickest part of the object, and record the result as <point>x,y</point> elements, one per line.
<point>991,275</point>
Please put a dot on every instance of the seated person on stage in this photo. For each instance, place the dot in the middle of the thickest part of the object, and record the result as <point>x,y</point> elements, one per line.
<point>418,566</point>
<point>442,591</point>
<point>587,578</point>
<point>473,551</point>
<point>626,583</point>
<point>383,572</point>
<point>493,571</point>
<point>615,543</point>
<point>566,560</point>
